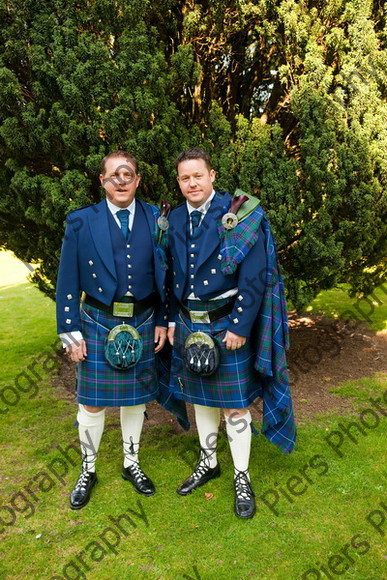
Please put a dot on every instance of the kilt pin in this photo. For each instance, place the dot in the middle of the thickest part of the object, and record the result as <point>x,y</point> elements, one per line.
<point>214,262</point>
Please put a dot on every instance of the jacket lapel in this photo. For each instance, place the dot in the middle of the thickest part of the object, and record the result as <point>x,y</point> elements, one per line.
<point>150,219</point>
<point>100,233</point>
<point>159,258</point>
<point>178,234</point>
<point>209,236</point>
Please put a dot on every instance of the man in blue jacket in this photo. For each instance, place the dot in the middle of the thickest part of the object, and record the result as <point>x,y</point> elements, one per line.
<point>227,305</point>
<point>111,253</point>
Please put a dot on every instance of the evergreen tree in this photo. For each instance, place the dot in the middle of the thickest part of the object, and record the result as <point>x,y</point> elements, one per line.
<point>288,97</point>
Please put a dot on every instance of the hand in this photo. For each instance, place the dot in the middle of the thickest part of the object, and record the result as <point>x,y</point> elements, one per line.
<point>160,337</point>
<point>171,334</point>
<point>77,351</point>
<point>234,341</point>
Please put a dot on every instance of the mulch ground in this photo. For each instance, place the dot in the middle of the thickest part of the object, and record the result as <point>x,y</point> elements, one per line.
<point>323,354</point>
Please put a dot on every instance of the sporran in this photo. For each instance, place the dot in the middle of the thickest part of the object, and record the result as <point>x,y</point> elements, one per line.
<point>123,347</point>
<point>201,354</point>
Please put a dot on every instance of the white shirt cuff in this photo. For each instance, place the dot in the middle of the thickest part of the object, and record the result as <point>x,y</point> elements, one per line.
<point>68,338</point>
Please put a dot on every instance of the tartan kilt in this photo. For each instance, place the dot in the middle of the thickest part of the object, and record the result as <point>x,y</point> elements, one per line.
<point>234,385</point>
<point>100,385</point>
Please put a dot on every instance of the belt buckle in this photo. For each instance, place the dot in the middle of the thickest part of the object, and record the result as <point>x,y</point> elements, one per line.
<point>199,317</point>
<point>125,309</point>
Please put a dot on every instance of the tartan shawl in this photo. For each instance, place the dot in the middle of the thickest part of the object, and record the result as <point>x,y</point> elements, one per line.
<point>270,332</point>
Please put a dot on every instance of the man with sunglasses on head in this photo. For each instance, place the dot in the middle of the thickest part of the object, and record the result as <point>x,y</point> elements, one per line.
<point>111,253</point>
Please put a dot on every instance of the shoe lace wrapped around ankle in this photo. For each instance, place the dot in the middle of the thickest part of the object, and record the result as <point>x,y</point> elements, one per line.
<point>242,485</point>
<point>203,465</point>
<point>88,461</point>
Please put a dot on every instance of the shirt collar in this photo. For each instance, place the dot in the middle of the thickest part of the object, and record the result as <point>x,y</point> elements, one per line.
<point>204,207</point>
<point>114,208</point>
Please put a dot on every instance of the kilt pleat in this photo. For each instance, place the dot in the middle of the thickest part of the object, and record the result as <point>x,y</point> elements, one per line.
<point>100,385</point>
<point>235,384</point>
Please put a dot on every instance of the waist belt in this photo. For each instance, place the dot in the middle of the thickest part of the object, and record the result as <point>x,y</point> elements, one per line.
<point>124,308</point>
<point>207,316</point>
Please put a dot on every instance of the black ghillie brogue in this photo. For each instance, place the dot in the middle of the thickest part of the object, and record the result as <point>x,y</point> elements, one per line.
<point>244,505</point>
<point>82,489</point>
<point>202,473</point>
<point>141,482</point>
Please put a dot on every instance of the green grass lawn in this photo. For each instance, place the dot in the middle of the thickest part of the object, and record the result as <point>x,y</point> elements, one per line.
<point>319,510</point>
<point>336,303</point>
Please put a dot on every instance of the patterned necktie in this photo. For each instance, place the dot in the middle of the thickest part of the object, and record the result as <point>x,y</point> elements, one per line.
<point>123,216</point>
<point>196,216</point>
